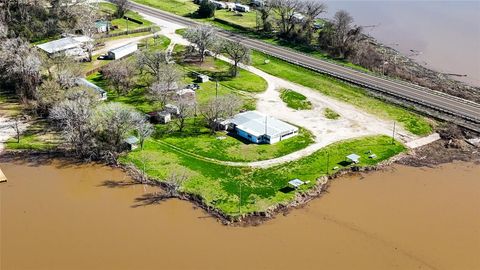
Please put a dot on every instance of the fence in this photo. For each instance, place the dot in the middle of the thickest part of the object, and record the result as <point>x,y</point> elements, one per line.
<point>123,33</point>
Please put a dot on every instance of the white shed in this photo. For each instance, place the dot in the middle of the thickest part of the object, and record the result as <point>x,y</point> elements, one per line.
<point>122,51</point>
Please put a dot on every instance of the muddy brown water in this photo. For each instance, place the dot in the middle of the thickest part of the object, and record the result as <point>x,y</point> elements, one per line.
<point>62,216</point>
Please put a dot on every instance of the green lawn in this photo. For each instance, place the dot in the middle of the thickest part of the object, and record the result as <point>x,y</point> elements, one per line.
<point>38,136</point>
<point>342,91</point>
<point>219,185</point>
<point>247,19</point>
<point>196,139</point>
<point>331,114</point>
<point>295,100</point>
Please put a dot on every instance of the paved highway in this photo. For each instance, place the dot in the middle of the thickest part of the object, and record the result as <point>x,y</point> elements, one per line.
<point>466,110</point>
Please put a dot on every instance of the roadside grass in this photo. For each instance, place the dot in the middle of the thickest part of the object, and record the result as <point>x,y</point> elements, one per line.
<point>178,7</point>
<point>123,24</point>
<point>219,185</point>
<point>220,70</point>
<point>295,100</point>
<point>197,139</point>
<point>331,114</point>
<point>246,19</point>
<point>342,91</point>
<point>38,136</point>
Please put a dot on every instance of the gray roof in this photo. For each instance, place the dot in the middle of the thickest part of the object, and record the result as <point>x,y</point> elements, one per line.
<point>64,44</point>
<point>258,124</point>
<point>353,157</point>
<point>296,182</point>
<point>131,140</point>
<point>86,83</point>
<point>126,47</point>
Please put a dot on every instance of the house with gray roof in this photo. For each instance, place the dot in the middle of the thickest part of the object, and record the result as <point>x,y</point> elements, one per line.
<point>259,128</point>
<point>70,46</point>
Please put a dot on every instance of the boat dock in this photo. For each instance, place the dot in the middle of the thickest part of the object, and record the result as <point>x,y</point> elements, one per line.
<point>3,178</point>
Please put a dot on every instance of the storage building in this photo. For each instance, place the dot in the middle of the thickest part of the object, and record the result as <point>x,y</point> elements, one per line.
<point>70,46</point>
<point>102,94</point>
<point>242,8</point>
<point>259,128</point>
<point>122,51</point>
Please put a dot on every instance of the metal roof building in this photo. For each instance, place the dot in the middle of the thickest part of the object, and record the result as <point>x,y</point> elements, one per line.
<point>102,94</point>
<point>64,44</point>
<point>259,128</point>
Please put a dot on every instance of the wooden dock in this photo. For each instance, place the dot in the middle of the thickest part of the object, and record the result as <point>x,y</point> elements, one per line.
<point>3,178</point>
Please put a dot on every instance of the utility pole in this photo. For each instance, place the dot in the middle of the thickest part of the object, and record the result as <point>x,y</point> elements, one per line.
<point>328,162</point>
<point>240,199</point>
<point>216,88</point>
<point>393,134</point>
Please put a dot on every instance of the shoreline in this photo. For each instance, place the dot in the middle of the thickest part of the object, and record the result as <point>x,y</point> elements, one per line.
<point>412,158</point>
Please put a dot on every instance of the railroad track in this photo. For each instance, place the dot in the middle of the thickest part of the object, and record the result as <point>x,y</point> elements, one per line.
<point>466,111</point>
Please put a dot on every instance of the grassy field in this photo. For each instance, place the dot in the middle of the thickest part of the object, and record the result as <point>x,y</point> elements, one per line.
<point>331,114</point>
<point>220,185</point>
<point>247,20</point>
<point>295,100</point>
<point>342,91</point>
<point>197,139</point>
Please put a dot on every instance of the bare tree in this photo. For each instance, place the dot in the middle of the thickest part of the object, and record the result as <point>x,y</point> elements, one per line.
<point>238,53</point>
<point>168,80</point>
<point>73,117</point>
<point>16,127</point>
<point>120,74</point>
<point>312,9</point>
<point>48,94</point>
<point>203,37</point>
<point>186,108</point>
<point>265,12</point>
<point>286,10</point>
<point>175,181</point>
<point>122,7</point>
<point>113,123</point>
<point>340,36</point>
<point>143,130</point>
<point>220,108</point>
<point>20,64</point>
<point>152,62</point>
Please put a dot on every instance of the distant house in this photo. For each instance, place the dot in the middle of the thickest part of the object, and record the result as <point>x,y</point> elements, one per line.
<point>102,94</point>
<point>298,17</point>
<point>122,51</point>
<point>186,93</point>
<point>258,3</point>
<point>353,158</point>
<point>202,78</point>
<point>162,117</point>
<point>242,8</point>
<point>260,128</point>
<point>101,26</point>
<point>219,4</point>
<point>71,46</point>
<point>170,108</point>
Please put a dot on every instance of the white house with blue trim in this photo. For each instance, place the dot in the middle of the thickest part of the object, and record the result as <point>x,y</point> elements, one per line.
<point>260,128</point>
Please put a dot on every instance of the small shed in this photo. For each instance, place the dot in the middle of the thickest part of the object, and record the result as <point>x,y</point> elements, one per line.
<point>202,78</point>
<point>230,6</point>
<point>122,51</point>
<point>164,117</point>
<point>170,108</point>
<point>101,26</point>
<point>353,158</point>
<point>296,183</point>
<point>131,143</point>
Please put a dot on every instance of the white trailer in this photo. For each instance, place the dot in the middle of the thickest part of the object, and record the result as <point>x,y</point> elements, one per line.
<point>242,8</point>
<point>122,51</point>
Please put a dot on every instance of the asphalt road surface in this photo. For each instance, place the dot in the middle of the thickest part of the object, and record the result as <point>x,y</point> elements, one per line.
<point>466,110</point>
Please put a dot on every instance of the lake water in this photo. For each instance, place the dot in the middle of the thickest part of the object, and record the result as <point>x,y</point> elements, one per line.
<point>56,215</point>
<point>446,33</point>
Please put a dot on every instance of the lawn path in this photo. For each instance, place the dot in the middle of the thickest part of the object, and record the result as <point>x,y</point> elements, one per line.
<point>353,122</point>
